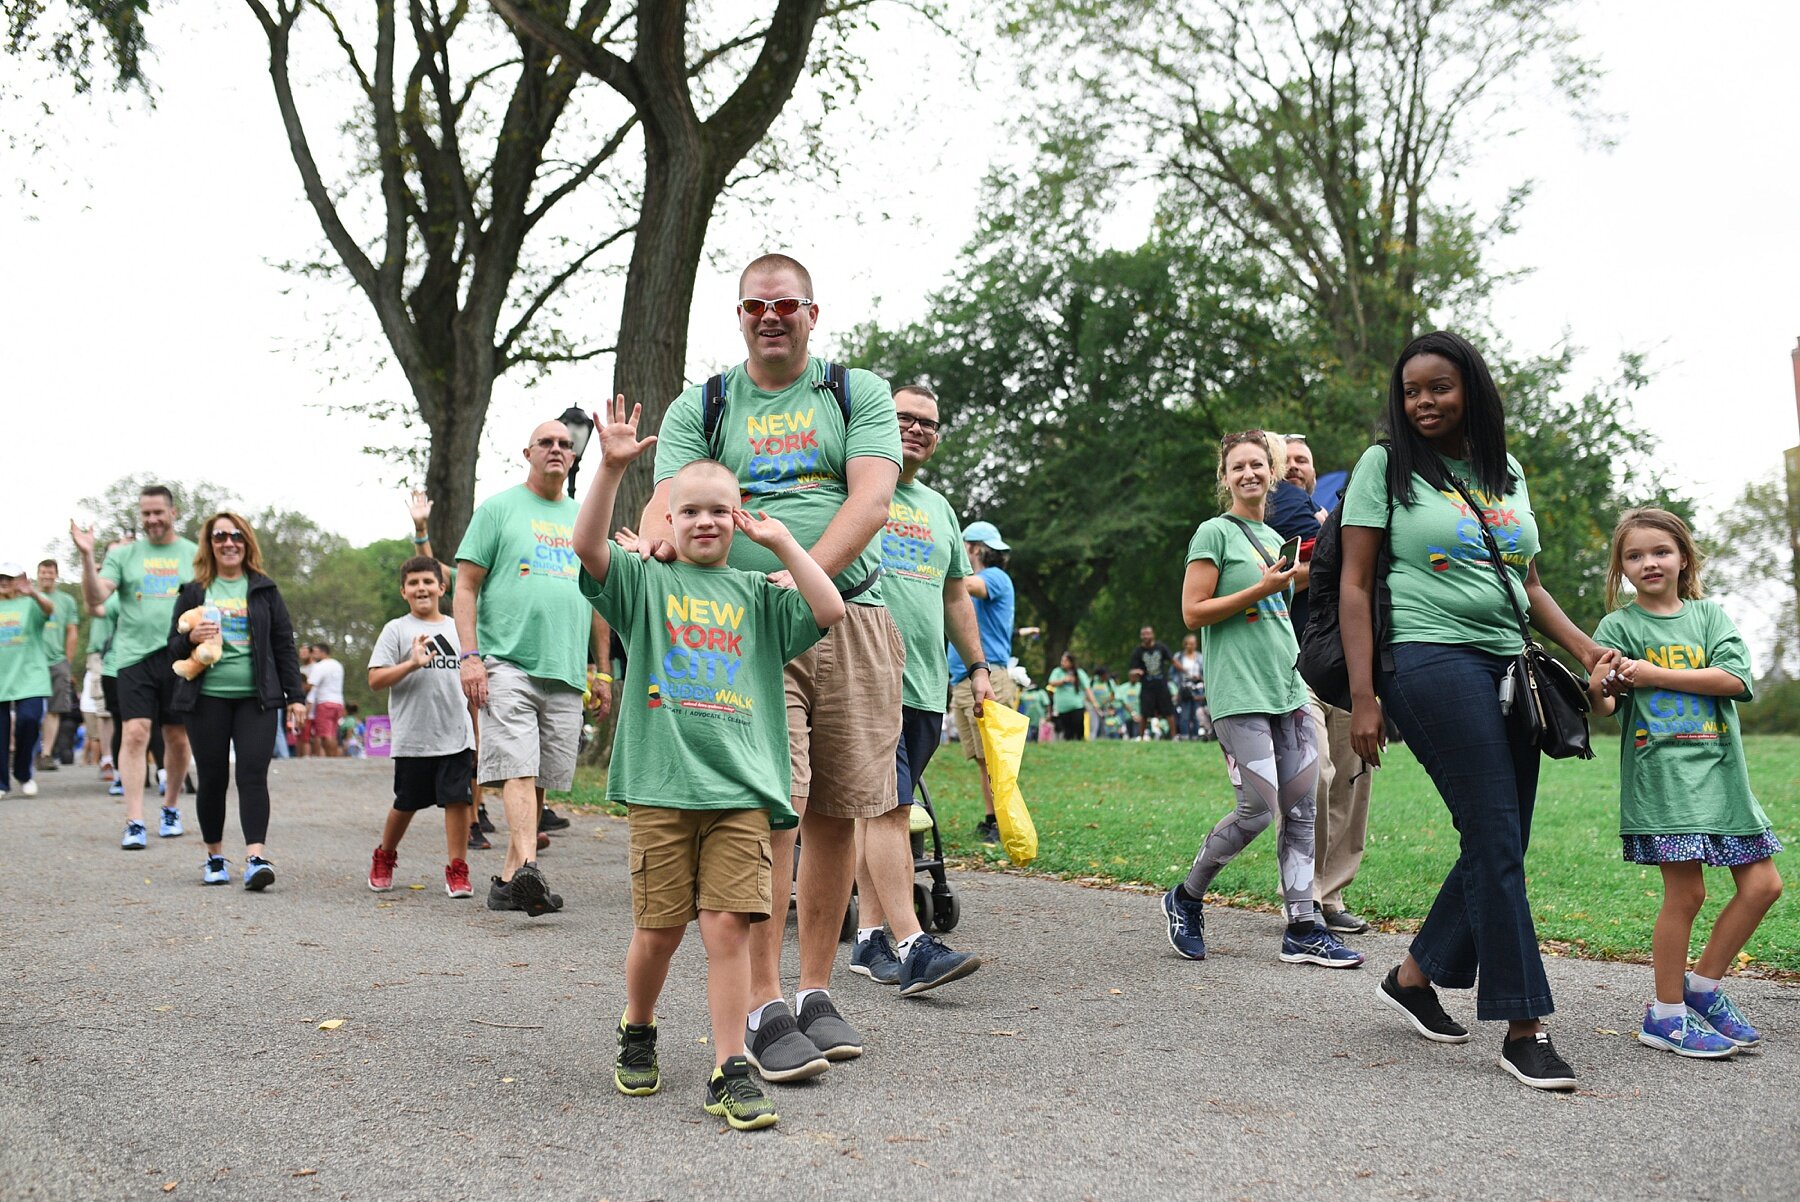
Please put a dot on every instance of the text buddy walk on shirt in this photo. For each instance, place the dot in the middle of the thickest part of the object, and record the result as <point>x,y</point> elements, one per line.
<point>789,450</point>
<point>147,578</point>
<point>531,614</point>
<point>920,549</point>
<point>703,710</point>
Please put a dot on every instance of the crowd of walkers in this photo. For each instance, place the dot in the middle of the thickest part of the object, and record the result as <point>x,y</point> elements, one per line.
<point>792,586</point>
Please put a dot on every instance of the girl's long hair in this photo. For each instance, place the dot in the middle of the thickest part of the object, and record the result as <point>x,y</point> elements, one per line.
<point>1484,423</point>
<point>1688,585</point>
<point>206,568</point>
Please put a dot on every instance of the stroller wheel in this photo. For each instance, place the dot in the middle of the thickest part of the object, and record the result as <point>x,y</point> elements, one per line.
<point>922,906</point>
<point>851,915</point>
<point>946,912</point>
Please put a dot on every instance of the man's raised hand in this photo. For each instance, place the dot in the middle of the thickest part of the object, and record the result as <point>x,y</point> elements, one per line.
<point>619,443</point>
<point>83,539</point>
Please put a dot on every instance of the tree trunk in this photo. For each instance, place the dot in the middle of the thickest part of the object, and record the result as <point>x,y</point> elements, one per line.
<point>450,466</point>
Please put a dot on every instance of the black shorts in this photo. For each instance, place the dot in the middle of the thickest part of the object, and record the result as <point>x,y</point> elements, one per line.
<point>423,781</point>
<point>920,733</point>
<point>147,690</point>
<point>1154,701</point>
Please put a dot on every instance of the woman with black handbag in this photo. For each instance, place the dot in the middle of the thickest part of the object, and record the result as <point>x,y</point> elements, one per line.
<point>1455,638</point>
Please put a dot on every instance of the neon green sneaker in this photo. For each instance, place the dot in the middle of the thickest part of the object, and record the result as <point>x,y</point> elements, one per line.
<point>734,1097</point>
<point>635,1072</point>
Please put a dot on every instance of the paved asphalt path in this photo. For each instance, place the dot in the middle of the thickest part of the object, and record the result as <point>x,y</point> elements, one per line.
<point>161,1040</point>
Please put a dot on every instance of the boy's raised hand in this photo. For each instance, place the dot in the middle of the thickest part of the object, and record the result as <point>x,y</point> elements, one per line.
<point>762,529</point>
<point>619,443</point>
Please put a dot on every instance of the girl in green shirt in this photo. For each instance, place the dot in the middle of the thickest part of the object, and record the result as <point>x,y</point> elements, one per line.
<point>1235,593</point>
<point>1072,695</point>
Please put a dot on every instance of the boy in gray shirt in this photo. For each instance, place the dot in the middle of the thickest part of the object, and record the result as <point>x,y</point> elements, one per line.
<point>417,658</point>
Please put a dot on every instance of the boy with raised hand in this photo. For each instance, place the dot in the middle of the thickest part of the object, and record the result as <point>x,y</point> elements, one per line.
<point>699,756</point>
<point>417,657</point>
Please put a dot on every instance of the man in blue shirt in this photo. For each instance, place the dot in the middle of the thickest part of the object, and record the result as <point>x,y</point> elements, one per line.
<point>992,591</point>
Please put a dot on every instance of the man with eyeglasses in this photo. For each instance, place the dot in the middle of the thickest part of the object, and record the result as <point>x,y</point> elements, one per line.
<point>830,479</point>
<point>147,575</point>
<point>523,629</point>
<point>1342,827</point>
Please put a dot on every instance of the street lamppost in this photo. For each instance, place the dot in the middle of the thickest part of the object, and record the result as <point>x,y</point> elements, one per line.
<point>581,428</point>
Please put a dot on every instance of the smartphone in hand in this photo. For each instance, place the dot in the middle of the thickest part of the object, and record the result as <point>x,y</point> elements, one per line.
<point>1290,553</point>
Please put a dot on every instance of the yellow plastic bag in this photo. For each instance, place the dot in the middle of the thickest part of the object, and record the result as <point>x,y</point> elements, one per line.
<point>1003,743</point>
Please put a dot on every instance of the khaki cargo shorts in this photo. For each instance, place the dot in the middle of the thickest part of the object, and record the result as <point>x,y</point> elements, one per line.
<point>686,861</point>
<point>962,701</point>
<point>843,708</point>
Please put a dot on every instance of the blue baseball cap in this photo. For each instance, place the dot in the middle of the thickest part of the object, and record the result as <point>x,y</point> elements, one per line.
<point>985,533</point>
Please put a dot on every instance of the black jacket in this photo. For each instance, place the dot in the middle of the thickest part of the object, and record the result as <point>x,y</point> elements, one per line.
<point>274,664</point>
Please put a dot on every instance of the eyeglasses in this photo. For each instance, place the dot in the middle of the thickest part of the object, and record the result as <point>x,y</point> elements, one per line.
<point>228,536</point>
<point>784,306</point>
<point>561,444</point>
<point>924,423</point>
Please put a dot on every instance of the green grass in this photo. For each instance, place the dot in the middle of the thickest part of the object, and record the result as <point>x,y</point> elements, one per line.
<point>1136,812</point>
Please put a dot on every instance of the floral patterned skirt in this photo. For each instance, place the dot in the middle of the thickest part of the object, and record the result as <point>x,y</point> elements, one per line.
<point>1718,851</point>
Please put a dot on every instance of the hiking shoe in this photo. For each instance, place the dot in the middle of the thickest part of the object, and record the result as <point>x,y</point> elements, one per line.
<point>527,891</point>
<point>874,958</point>
<point>1343,922</point>
<point>543,841</point>
<point>1187,924</point>
<point>170,827</point>
<point>734,1097</point>
<point>381,869</point>
<point>550,820</point>
<point>214,871</point>
<point>136,837</point>
<point>820,1022</point>
<point>1318,946</point>
<point>928,964</point>
<point>1686,1035</point>
<point>477,840</point>
<point>28,788</point>
<point>988,830</point>
<point>483,821</point>
<point>1420,1005</point>
<point>634,1071</point>
<point>779,1050</point>
<point>1722,1015</point>
<point>259,874</point>
<point>1533,1060</point>
<point>456,879</point>
<point>116,789</point>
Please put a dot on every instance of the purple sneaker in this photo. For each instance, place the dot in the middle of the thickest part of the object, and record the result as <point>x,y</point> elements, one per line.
<point>1686,1035</point>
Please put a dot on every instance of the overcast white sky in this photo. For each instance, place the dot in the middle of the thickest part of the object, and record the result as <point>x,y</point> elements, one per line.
<point>145,329</point>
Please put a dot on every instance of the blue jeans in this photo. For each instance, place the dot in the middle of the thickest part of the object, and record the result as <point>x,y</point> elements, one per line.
<point>1444,700</point>
<point>19,723</point>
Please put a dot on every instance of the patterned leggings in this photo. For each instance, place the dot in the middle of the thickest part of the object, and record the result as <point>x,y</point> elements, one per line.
<point>1274,763</point>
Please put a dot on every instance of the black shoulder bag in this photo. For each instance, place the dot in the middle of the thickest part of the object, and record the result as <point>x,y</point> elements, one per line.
<point>1545,705</point>
<point>1322,663</point>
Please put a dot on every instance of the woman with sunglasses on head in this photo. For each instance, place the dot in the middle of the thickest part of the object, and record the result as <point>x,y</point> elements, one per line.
<point>238,701</point>
<point>1452,635</point>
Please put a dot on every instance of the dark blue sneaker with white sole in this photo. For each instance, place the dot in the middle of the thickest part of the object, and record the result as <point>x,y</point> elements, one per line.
<point>1318,946</point>
<point>929,964</point>
<point>1187,924</point>
<point>874,958</point>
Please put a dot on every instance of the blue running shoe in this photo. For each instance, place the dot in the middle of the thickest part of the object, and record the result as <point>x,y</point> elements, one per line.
<point>171,823</point>
<point>1318,946</point>
<point>259,874</point>
<point>1685,1035</point>
<point>136,837</point>
<point>874,958</point>
<point>1187,924</point>
<point>215,872</point>
<point>1722,1015</point>
<point>928,964</point>
<point>116,789</point>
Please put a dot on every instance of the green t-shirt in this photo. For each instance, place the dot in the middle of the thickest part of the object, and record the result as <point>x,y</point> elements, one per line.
<point>55,629</point>
<point>232,675</point>
<point>1068,693</point>
<point>921,546</point>
<point>703,708</point>
<point>148,579</point>
<point>1681,761</point>
<point>1034,704</point>
<point>789,450</point>
<point>24,672</point>
<point>530,612</point>
<point>109,638</point>
<point>1249,655</point>
<point>100,629</point>
<point>1444,587</point>
<point>1130,694</point>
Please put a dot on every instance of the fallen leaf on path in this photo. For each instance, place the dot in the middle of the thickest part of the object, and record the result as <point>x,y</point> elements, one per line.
<point>331,1024</point>
<point>146,880</point>
<point>1002,1032</point>
<point>908,1139</point>
<point>1115,991</point>
<point>415,887</point>
<point>169,1186</point>
<point>507,1080</point>
<point>164,1009</point>
<point>1604,1031</point>
<point>305,1173</point>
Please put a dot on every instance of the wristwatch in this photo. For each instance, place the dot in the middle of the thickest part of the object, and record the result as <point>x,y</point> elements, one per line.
<point>980,665</point>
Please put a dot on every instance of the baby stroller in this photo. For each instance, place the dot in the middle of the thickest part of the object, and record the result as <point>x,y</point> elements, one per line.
<point>935,903</point>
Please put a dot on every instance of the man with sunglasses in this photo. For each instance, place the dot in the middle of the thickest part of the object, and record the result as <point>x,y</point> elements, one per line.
<point>147,575</point>
<point>830,479</point>
<point>523,629</point>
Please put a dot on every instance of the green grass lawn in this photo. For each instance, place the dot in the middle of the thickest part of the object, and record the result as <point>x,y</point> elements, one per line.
<point>1136,813</point>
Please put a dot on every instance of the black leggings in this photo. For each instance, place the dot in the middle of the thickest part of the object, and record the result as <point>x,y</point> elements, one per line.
<point>1069,725</point>
<point>214,728</point>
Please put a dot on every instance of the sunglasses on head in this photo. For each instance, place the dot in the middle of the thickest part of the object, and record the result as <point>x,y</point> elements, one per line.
<point>228,536</point>
<point>784,306</point>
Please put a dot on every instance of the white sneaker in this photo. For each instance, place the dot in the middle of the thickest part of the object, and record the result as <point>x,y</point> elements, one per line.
<point>29,788</point>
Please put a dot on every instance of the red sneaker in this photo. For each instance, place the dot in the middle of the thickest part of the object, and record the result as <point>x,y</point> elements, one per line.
<point>381,870</point>
<point>456,879</point>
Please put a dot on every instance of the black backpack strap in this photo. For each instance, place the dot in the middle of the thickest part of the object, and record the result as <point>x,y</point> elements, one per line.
<point>837,383</point>
<point>1261,551</point>
<point>712,409</point>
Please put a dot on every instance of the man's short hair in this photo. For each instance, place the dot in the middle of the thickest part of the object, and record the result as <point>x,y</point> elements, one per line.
<point>324,648</point>
<point>778,263</point>
<point>422,563</point>
<point>49,563</point>
<point>921,388</point>
<point>157,490</point>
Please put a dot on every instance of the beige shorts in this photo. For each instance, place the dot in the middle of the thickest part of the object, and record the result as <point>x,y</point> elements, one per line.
<point>686,861</point>
<point>843,708</point>
<point>530,727</point>
<point>962,701</point>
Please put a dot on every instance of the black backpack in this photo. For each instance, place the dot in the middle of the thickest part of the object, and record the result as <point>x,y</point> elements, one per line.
<point>1321,660</point>
<point>712,402</point>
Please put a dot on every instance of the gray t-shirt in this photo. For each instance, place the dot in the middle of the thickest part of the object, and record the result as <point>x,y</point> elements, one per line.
<point>428,709</point>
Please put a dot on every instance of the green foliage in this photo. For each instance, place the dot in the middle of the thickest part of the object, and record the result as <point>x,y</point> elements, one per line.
<point>1753,559</point>
<point>69,35</point>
